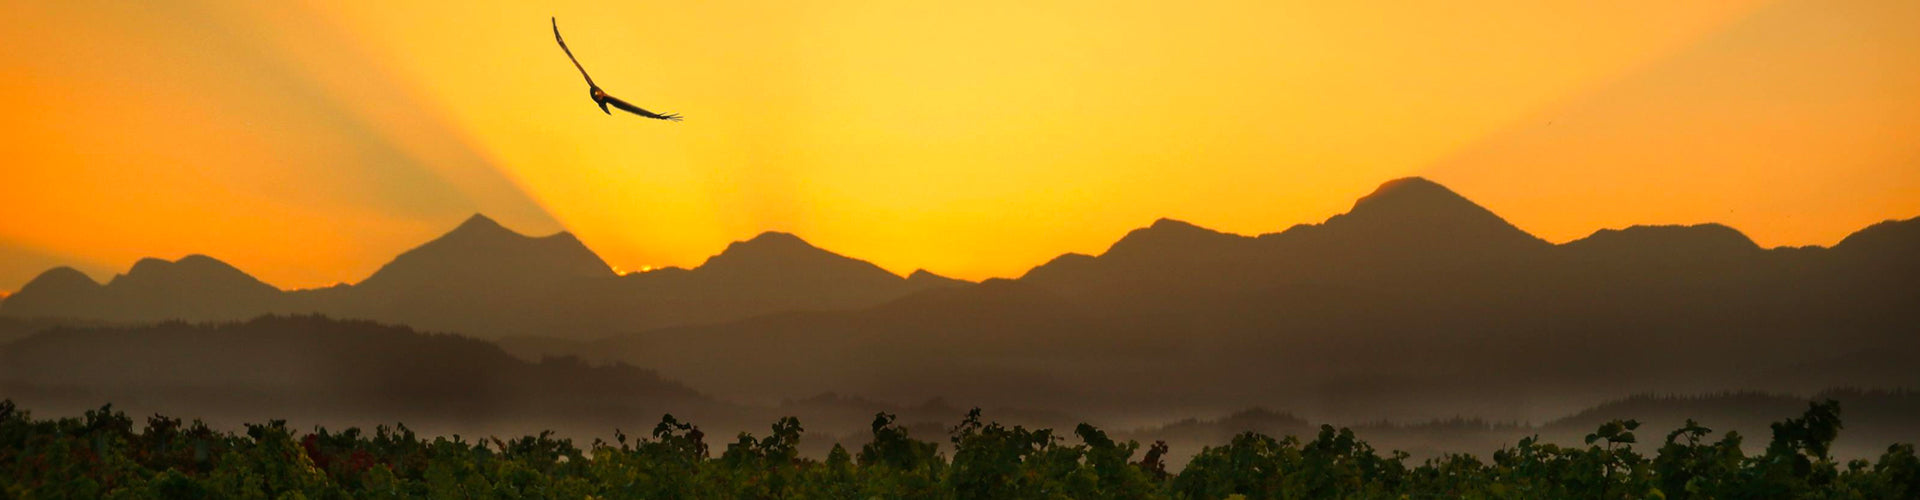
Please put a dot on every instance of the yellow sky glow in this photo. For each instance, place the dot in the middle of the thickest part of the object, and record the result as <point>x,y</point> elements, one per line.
<point>307,143</point>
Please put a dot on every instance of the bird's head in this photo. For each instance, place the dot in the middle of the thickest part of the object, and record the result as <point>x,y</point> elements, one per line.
<point>599,97</point>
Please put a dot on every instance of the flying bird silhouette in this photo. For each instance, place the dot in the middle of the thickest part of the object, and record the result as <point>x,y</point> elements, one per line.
<point>599,96</point>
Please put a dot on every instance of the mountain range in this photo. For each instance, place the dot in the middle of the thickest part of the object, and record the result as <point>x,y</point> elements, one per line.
<point>1416,302</point>
<point>488,281</point>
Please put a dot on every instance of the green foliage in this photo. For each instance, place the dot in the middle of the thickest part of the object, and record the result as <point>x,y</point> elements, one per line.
<point>1690,468</point>
<point>894,465</point>
<point>101,455</point>
<point>1335,464</point>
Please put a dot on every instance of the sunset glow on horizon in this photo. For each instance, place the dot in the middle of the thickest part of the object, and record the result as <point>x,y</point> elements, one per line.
<point>308,143</point>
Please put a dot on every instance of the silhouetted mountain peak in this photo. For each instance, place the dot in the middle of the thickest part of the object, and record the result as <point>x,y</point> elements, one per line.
<point>480,226</point>
<point>1415,197</point>
<point>479,219</point>
<point>770,242</point>
<point>196,287</point>
<point>148,266</point>
<point>1165,223</point>
<point>192,271</point>
<point>1071,258</point>
<point>59,278</point>
<point>780,268</point>
<point>1065,267</point>
<point>481,251</point>
<point>922,279</point>
<point>1169,237</point>
<point>1410,188</point>
<point>1700,239</point>
<point>191,263</point>
<point>775,251</point>
<point>198,260</point>
<point>1413,209</point>
<point>1892,236</point>
<point>58,292</point>
<point>484,230</point>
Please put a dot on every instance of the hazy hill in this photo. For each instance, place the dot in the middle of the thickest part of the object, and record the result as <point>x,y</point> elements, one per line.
<point>970,343</point>
<point>12,329</point>
<point>320,369</point>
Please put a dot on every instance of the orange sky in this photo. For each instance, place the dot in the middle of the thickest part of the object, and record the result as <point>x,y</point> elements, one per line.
<point>309,143</point>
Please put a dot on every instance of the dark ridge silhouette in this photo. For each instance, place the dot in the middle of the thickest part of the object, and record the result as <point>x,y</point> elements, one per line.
<point>196,287</point>
<point>200,272</point>
<point>921,279</point>
<point>1414,211</point>
<point>1066,267</point>
<point>1172,239</point>
<point>61,292</point>
<point>782,260</point>
<point>770,273</point>
<point>1891,237</point>
<point>12,329</point>
<point>1412,217</point>
<point>1884,254</point>
<point>1167,254</point>
<point>480,278</point>
<point>482,253</point>
<point>1406,226</point>
<point>1695,242</point>
<point>1673,255</point>
<point>1689,252</point>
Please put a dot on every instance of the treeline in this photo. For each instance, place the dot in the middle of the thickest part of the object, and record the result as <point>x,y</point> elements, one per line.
<point>100,455</point>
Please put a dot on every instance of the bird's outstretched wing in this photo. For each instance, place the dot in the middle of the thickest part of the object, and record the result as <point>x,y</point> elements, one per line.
<point>630,108</point>
<point>563,47</point>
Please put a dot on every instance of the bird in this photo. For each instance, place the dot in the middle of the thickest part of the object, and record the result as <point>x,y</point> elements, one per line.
<point>600,97</point>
